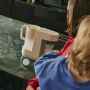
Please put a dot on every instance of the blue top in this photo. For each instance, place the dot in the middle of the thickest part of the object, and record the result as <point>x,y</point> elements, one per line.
<point>53,74</point>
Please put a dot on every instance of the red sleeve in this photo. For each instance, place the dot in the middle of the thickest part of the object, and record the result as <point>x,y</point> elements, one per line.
<point>34,83</point>
<point>67,47</point>
<point>65,50</point>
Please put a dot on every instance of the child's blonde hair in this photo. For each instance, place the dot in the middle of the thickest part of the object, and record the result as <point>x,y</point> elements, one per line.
<point>80,53</point>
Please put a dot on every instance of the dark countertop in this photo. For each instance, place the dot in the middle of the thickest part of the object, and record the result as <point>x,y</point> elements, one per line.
<point>10,48</point>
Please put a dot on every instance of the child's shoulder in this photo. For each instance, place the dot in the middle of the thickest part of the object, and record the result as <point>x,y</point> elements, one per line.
<point>60,59</point>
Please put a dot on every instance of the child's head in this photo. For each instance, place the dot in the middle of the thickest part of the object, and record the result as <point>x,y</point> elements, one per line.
<point>80,53</point>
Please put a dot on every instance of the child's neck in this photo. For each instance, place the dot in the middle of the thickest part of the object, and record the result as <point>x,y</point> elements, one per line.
<point>76,76</point>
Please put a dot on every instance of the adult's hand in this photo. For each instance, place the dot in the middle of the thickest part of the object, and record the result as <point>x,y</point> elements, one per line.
<point>29,88</point>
